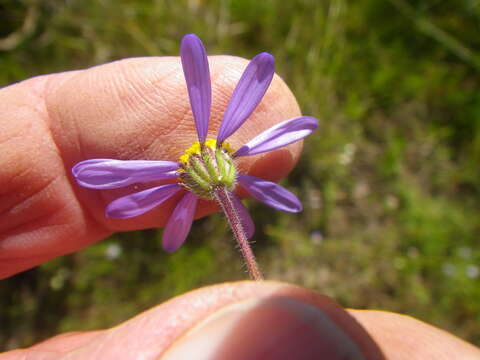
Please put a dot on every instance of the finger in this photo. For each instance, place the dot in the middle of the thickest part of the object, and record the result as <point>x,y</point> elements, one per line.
<point>402,337</point>
<point>246,320</point>
<point>130,109</point>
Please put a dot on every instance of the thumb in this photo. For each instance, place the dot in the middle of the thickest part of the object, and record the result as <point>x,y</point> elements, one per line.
<point>245,320</point>
<point>130,109</point>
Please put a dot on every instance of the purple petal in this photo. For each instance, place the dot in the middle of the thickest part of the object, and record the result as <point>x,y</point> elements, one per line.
<point>279,135</point>
<point>79,166</point>
<point>138,203</point>
<point>111,174</point>
<point>270,193</point>
<point>197,76</point>
<point>180,222</point>
<point>247,95</point>
<point>245,217</point>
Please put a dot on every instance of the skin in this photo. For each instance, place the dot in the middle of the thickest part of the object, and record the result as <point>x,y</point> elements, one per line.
<point>138,109</point>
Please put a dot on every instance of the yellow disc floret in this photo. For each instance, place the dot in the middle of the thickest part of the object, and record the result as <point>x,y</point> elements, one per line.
<point>196,149</point>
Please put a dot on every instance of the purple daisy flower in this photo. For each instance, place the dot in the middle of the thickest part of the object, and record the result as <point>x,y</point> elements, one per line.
<point>207,169</point>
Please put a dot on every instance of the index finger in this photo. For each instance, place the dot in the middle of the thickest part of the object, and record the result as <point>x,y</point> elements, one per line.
<point>130,109</point>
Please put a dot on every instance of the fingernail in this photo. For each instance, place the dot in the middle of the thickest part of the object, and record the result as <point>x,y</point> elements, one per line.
<point>271,328</point>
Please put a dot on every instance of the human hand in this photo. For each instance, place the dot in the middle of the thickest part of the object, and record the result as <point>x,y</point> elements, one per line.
<point>138,109</point>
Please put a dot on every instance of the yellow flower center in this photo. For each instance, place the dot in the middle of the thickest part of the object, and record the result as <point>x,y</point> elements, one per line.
<point>204,169</point>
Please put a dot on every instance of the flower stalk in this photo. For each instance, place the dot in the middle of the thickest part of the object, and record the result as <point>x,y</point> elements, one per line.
<point>224,198</point>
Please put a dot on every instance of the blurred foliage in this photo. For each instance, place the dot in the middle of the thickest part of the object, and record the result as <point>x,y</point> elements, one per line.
<point>390,182</point>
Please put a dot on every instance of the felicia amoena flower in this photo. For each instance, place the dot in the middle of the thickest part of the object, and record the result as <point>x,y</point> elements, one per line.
<point>207,169</point>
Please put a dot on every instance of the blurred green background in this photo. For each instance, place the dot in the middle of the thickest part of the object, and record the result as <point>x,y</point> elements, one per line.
<point>390,181</point>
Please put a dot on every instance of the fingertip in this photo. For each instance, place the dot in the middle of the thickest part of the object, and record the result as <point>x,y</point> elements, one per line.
<point>247,320</point>
<point>393,334</point>
<point>145,114</point>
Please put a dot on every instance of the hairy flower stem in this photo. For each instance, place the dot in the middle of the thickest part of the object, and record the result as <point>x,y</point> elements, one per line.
<point>223,196</point>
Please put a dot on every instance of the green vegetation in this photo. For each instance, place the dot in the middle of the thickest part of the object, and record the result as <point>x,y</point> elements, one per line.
<point>390,181</point>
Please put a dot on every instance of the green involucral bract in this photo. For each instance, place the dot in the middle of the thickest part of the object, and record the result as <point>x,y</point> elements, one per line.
<point>208,169</point>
